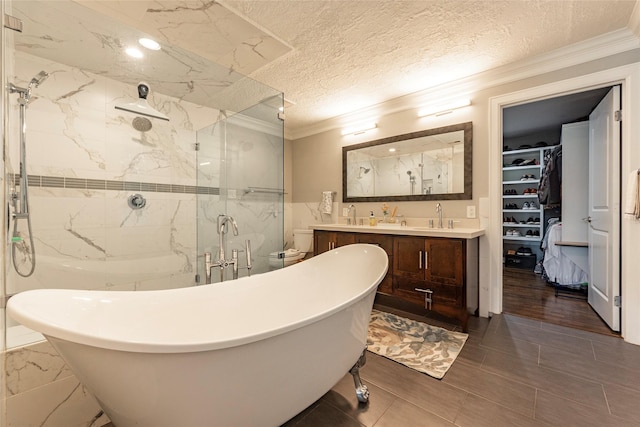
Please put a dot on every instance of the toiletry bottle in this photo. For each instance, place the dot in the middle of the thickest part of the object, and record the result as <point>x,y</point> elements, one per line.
<point>372,219</point>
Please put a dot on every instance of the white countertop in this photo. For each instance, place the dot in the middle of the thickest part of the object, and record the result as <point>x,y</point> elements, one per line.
<point>458,233</point>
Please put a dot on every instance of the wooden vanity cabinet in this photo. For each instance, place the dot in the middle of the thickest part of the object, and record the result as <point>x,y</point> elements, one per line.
<point>431,272</point>
<point>385,242</point>
<point>443,269</point>
<point>324,241</point>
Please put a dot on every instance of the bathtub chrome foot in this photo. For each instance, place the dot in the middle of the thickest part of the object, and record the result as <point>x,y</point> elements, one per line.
<point>362,392</point>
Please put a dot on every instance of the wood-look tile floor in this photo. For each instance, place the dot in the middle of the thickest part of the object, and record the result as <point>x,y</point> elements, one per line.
<point>526,294</point>
<point>512,371</point>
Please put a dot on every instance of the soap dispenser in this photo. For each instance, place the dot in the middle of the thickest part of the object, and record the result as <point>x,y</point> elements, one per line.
<point>372,219</point>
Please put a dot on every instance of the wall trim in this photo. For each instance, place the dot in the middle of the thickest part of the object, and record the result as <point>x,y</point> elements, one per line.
<point>612,43</point>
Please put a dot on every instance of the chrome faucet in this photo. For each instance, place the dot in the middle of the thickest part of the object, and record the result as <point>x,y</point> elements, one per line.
<point>439,212</point>
<point>352,211</point>
<point>221,262</point>
<point>222,223</point>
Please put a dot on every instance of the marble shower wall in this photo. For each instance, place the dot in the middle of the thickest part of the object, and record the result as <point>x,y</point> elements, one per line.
<point>84,159</point>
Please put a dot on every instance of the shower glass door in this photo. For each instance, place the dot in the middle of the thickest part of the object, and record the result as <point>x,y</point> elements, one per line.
<point>240,175</point>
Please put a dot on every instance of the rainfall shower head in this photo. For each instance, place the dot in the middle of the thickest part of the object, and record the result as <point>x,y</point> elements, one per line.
<point>141,124</point>
<point>141,106</point>
<point>363,169</point>
<point>39,78</point>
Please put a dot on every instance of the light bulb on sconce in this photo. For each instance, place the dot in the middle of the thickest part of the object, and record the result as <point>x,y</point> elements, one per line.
<point>439,110</point>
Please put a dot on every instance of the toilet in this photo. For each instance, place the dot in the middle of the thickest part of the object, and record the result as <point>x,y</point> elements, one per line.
<point>302,242</point>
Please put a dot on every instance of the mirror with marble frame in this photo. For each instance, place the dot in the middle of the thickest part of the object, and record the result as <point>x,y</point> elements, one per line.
<point>432,164</point>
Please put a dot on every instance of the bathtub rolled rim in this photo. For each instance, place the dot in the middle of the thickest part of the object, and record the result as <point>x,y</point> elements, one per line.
<point>21,310</point>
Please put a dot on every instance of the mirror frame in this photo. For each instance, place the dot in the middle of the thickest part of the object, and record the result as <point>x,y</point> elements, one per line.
<point>468,169</point>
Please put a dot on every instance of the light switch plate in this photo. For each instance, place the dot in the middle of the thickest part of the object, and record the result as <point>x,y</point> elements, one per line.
<point>345,211</point>
<point>471,211</point>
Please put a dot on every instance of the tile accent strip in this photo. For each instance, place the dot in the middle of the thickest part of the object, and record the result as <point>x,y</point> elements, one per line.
<point>105,184</point>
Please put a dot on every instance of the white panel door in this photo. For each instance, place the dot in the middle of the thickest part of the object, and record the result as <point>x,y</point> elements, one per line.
<point>604,209</point>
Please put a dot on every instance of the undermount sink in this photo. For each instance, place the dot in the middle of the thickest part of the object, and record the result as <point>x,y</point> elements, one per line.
<point>388,225</point>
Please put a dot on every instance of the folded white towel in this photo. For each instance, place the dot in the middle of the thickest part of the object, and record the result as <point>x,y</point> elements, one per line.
<point>632,199</point>
<point>326,205</point>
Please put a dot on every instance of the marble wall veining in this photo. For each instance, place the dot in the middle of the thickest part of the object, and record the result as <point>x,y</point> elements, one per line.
<point>73,131</point>
<point>84,159</point>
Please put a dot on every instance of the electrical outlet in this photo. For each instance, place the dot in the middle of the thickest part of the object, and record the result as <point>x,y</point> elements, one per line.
<point>345,211</point>
<point>471,211</point>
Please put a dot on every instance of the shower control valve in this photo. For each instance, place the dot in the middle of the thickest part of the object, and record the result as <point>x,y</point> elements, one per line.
<point>136,201</point>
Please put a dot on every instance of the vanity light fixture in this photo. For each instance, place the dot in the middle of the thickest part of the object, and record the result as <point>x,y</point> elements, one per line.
<point>439,110</point>
<point>359,128</point>
<point>149,44</point>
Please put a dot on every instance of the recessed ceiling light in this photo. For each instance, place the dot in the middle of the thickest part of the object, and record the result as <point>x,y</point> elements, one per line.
<point>134,52</point>
<point>149,44</point>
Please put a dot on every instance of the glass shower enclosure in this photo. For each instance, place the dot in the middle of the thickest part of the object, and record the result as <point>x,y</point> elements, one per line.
<point>240,193</point>
<point>123,202</point>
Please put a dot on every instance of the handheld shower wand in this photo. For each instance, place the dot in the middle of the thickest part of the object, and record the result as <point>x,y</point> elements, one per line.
<point>21,209</point>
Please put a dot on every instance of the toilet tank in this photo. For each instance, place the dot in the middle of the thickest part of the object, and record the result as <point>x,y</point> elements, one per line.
<point>303,240</point>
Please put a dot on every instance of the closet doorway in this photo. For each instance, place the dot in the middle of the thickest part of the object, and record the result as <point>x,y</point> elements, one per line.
<point>547,234</point>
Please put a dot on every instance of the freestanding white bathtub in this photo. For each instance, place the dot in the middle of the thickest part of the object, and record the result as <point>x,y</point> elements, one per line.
<point>250,352</point>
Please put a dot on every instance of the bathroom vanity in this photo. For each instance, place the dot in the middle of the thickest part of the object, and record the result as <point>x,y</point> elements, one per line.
<point>430,270</point>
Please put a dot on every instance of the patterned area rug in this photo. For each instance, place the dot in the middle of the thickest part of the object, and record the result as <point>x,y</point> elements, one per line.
<point>419,346</point>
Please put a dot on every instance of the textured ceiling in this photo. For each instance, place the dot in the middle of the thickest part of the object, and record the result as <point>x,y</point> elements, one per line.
<point>349,55</point>
<point>328,57</point>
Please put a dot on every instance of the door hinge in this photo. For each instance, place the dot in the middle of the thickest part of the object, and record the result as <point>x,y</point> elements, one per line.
<point>618,115</point>
<point>12,23</point>
<point>617,301</point>
<point>197,146</point>
<point>197,278</point>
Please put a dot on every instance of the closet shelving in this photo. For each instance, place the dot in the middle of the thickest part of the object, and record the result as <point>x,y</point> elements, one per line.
<point>529,222</point>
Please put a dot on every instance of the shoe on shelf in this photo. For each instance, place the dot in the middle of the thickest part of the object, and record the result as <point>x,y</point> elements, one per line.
<point>525,205</point>
<point>530,220</point>
<point>527,251</point>
<point>536,233</point>
<point>529,233</point>
<point>532,206</point>
<point>526,191</point>
<point>536,220</point>
<point>533,190</point>
<point>516,233</point>
<point>521,250</point>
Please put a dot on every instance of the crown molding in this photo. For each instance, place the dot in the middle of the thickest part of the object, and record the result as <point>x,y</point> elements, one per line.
<point>589,50</point>
<point>634,19</point>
